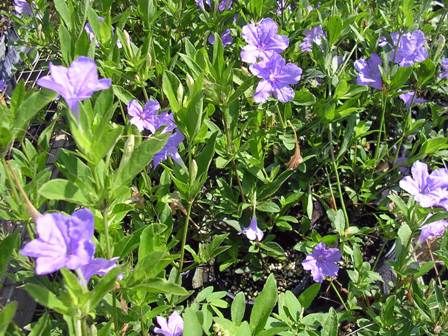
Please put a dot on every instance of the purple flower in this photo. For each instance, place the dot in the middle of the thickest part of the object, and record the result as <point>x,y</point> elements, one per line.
<point>263,40</point>
<point>382,41</point>
<point>369,72</point>
<point>322,262</point>
<point>170,149</point>
<point>226,38</point>
<point>2,85</point>
<point>173,327</point>
<point>314,35</point>
<point>410,48</point>
<point>223,5</point>
<point>252,232</point>
<point>97,266</point>
<point>146,117</point>
<point>64,241</point>
<point>409,98</point>
<point>444,68</point>
<point>75,83</point>
<point>432,230</point>
<point>277,76</point>
<point>427,189</point>
<point>23,7</point>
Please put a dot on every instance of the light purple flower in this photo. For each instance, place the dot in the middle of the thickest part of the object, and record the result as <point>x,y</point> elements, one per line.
<point>223,5</point>
<point>369,72</point>
<point>409,98</point>
<point>75,83</point>
<point>64,241</point>
<point>173,327</point>
<point>428,190</point>
<point>97,266</point>
<point>410,48</point>
<point>262,40</point>
<point>322,262</point>
<point>277,76</point>
<point>314,35</point>
<point>2,85</point>
<point>382,41</point>
<point>170,149</point>
<point>146,117</point>
<point>253,232</point>
<point>88,29</point>
<point>23,7</point>
<point>444,68</point>
<point>432,230</point>
<point>226,38</point>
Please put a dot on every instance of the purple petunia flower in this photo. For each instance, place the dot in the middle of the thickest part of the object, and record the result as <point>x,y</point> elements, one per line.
<point>427,189</point>
<point>314,35</point>
<point>64,241</point>
<point>409,98</point>
<point>253,232</point>
<point>173,327</point>
<point>369,72</point>
<point>444,68</point>
<point>277,76</point>
<point>226,38</point>
<point>410,48</point>
<point>262,40</point>
<point>432,230</point>
<point>97,266</point>
<point>23,7</point>
<point>322,262</point>
<point>75,83</point>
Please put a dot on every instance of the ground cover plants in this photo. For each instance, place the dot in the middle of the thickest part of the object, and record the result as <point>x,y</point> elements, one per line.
<point>256,167</point>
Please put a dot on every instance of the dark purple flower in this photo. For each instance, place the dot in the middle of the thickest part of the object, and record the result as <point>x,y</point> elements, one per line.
<point>170,149</point>
<point>444,68</point>
<point>64,241</point>
<point>226,38</point>
<point>410,48</point>
<point>277,76</point>
<point>323,262</point>
<point>314,35</point>
<point>428,190</point>
<point>2,85</point>
<point>173,327</point>
<point>262,40</point>
<point>369,72</point>
<point>432,230</point>
<point>97,266</point>
<point>253,232</point>
<point>75,83</point>
<point>23,7</point>
<point>409,98</point>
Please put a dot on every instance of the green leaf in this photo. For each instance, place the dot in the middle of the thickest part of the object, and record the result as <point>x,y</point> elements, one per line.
<point>46,298</point>
<point>192,325</point>
<point>401,77</point>
<point>263,306</point>
<point>334,27</point>
<point>64,12</point>
<point>238,308</point>
<point>105,285</point>
<point>330,326</point>
<point>402,242</point>
<point>7,246</point>
<point>172,87</point>
<point>152,239</point>
<point>59,189</point>
<point>41,327</point>
<point>161,286</point>
<point>6,316</point>
<point>308,295</point>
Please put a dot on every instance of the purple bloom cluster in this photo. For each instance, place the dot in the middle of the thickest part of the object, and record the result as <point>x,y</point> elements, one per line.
<point>429,190</point>
<point>226,38</point>
<point>75,83</point>
<point>369,72</point>
<point>253,232</point>
<point>149,118</point>
<point>66,242</point>
<point>322,262</point>
<point>314,35</point>
<point>444,69</point>
<point>263,53</point>
<point>174,326</point>
<point>409,48</point>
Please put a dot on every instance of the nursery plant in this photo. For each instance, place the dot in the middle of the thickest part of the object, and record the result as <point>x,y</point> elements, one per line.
<point>223,167</point>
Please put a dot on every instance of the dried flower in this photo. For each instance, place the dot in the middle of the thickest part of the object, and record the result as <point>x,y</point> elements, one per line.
<point>322,262</point>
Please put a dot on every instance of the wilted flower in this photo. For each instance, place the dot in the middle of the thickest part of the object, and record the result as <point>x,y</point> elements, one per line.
<point>277,76</point>
<point>314,35</point>
<point>409,98</point>
<point>369,72</point>
<point>226,38</point>
<point>410,48</point>
<point>322,262</point>
<point>444,68</point>
<point>173,327</point>
<point>23,7</point>
<point>432,230</point>
<point>75,83</point>
<point>263,40</point>
<point>253,232</point>
<point>428,189</point>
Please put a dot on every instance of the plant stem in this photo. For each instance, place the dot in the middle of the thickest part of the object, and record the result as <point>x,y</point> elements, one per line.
<point>338,181</point>
<point>184,240</point>
<point>338,294</point>
<point>78,327</point>
<point>380,132</point>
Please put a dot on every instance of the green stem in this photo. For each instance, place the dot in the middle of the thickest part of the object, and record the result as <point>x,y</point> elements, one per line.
<point>338,294</point>
<point>184,240</point>
<point>380,132</point>
<point>78,327</point>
